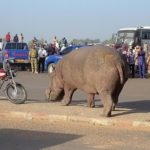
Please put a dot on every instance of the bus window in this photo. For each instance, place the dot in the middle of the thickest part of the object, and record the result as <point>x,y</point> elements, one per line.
<point>145,35</point>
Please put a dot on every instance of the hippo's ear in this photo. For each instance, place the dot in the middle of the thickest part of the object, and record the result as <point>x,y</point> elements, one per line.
<point>52,68</point>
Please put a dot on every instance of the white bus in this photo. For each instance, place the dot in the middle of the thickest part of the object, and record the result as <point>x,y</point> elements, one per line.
<point>132,37</point>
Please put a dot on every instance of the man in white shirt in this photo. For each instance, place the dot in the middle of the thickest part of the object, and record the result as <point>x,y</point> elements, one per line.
<point>42,53</point>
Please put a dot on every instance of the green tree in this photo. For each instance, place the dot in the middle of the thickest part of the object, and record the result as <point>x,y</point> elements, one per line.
<point>110,41</point>
<point>85,41</point>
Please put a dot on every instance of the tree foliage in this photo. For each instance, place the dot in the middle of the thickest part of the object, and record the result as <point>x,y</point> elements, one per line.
<point>38,42</point>
<point>84,41</point>
<point>110,40</point>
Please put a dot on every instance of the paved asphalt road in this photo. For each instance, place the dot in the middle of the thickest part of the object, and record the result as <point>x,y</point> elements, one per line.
<point>135,94</point>
<point>44,135</point>
<point>49,135</point>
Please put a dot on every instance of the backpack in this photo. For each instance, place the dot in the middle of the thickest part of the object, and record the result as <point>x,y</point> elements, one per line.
<point>33,53</point>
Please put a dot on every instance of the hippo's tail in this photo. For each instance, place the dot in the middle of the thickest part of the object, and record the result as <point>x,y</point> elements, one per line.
<point>121,73</point>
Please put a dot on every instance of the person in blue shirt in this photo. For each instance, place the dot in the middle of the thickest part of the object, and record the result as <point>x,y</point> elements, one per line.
<point>141,61</point>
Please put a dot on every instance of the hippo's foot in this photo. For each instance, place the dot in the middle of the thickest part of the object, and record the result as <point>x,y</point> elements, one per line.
<point>64,103</point>
<point>106,114</point>
<point>91,106</point>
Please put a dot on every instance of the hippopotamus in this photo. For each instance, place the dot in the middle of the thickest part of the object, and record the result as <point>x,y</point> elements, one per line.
<point>93,69</point>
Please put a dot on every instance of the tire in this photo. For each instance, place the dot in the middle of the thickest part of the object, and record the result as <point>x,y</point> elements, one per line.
<point>50,67</point>
<point>18,97</point>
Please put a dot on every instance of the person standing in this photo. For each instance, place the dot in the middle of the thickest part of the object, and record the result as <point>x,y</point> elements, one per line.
<point>42,53</point>
<point>21,38</point>
<point>148,64</point>
<point>1,44</point>
<point>33,55</point>
<point>8,37</point>
<point>65,42</point>
<point>141,62</point>
<point>56,44</point>
<point>136,50</point>
<point>131,62</point>
<point>145,48</point>
<point>15,38</point>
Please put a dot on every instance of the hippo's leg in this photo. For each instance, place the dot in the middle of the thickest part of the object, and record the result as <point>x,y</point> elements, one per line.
<point>115,101</point>
<point>115,97</point>
<point>107,101</point>
<point>68,95</point>
<point>90,100</point>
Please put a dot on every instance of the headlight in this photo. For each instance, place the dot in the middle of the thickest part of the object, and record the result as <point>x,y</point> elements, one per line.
<point>46,58</point>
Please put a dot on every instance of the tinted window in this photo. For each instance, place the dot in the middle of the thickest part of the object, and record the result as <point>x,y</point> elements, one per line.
<point>10,46</point>
<point>67,50</point>
<point>146,35</point>
<point>16,46</point>
<point>22,46</point>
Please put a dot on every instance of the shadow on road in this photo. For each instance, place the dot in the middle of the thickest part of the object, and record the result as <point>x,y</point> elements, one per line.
<point>35,101</point>
<point>32,140</point>
<point>84,103</point>
<point>141,106</point>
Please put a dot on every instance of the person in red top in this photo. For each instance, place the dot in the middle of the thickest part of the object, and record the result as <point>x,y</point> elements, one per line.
<point>8,37</point>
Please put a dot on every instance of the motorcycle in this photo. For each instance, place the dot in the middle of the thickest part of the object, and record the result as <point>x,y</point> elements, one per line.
<point>14,91</point>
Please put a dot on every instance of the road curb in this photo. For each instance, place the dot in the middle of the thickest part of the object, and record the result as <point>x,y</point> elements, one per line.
<point>93,121</point>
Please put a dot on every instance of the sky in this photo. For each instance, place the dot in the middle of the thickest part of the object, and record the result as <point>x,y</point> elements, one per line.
<point>94,19</point>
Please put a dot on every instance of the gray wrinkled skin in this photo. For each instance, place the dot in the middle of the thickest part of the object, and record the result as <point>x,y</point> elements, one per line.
<point>95,70</point>
<point>54,95</point>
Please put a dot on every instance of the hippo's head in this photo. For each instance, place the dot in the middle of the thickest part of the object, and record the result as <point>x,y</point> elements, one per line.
<point>55,92</point>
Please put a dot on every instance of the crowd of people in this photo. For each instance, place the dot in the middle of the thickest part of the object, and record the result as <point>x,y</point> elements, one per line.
<point>37,57</point>
<point>38,51</point>
<point>138,60</point>
<point>16,38</point>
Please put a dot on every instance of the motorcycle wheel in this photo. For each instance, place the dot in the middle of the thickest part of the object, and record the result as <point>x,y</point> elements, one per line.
<point>18,96</point>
